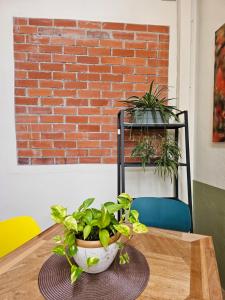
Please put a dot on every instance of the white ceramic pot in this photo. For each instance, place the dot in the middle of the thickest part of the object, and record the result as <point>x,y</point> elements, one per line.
<point>94,248</point>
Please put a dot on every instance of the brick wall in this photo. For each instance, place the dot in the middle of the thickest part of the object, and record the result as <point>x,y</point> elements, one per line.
<point>69,78</point>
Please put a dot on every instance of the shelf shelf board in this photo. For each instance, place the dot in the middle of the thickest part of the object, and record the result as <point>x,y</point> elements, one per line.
<point>133,164</point>
<point>154,126</point>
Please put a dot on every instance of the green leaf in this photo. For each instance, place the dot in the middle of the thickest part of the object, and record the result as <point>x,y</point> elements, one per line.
<point>87,218</point>
<point>105,218</point>
<point>70,238</point>
<point>123,229</point>
<point>104,237</point>
<point>134,214</point>
<point>124,259</point>
<point>140,228</point>
<point>91,261</point>
<point>57,239</point>
<point>95,223</point>
<point>72,250</point>
<point>125,196</point>
<point>87,230</point>
<point>59,250</point>
<point>80,227</point>
<point>86,204</point>
<point>96,213</point>
<point>58,213</point>
<point>112,208</point>
<point>70,223</point>
<point>78,215</point>
<point>120,245</point>
<point>75,273</point>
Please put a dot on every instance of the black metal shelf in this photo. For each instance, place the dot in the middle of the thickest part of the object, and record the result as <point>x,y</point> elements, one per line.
<point>154,126</point>
<point>134,164</point>
<point>122,165</point>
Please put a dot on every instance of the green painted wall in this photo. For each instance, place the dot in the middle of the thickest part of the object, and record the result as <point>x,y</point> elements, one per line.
<point>209,219</point>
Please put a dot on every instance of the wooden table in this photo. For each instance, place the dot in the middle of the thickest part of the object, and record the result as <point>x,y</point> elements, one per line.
<point>182,266</point>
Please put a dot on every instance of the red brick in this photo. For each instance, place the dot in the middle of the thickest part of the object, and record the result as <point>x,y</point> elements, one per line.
<point>36,39</point>
<point>52,136</point>
<point>42,161</point>
<point>26,119</point>
<point>26,29</point>
<point>99,85</point>
<point>77,152</point>
<point>88,128</point>
<point>20,21</point>
<point>64,127</point>
<point>89,94</point>
<point>26,66</point>
<point>111,43</point>
<point>64,58</point>
<point>147,36</point>
<point>162,72</point>
<point>112,60</point>
<point>65,144</point>
<point>98,51</point>
<point>163,38</point>
<point>50,84</point>
<point>20,92</point>
<point>53,152</point>
<point>163,54</point>
<point>39,92</point>
<point>75,135</point>
<point>111,111</point>
<point>163,46</point>
<point>158,28</point>
<point>87,60</point>
<point>41,127</point>
<point>76,119</point>
<point>111,77</point>
<point>25,48</point>
<point>64,76</point>
<point>122,52</point>
<point>40,110</point>
<point>65,23</point>
<point>98,35</point>
<point>75,50</point>
<point>21,109</point>
<point>52,101</point>
<point>90,160</point>
<point>39,57</point>
<point>51,67</point>
<point>64,110</point>
<point>146,70</point>
<point>122,69</point>
<point>100,102</point>
<point>18,38</point>
<point>26,83</point>
<point>109,160</point>
<point>40,75</point>
<point>135,78</point>
<point>51,119</point>
<point>135,61</point>
<point>142,87</point>
<point>112,94</point>
<point>136,27</point>
<point>87,144</point>
<point>98,136</point>
<point>100,69</point>
<point>88,77</point>
<point>146,53</point>
<point>113,26</point>
<point>20,56</point>
<point>40,22</point>
<point>99,152</point>
<point>122,86</point>
<point>75,85</point>
<point>123,35</point>
<point>41,144</point>
<point>62,41</point>
<point>28,153</point>
<point>26,101</point>
<point>50,49</point>
<point>89,24</point>
<point>76,68</point>
<point>100,119</point>
<point>87,43</point>
<point>21,127</point>
<point>64,93</point>
<point>76,102</point>
<point>20,74</point>
<point>108,128</point>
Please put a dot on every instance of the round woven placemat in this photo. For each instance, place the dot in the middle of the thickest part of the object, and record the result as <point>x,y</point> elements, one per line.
<point>124,282</point>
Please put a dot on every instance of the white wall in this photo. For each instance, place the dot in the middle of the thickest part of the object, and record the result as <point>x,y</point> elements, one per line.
<point>30,190</point>
<point>210,157</point>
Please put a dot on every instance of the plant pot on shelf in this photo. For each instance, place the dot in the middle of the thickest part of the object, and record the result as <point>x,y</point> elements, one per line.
<point>148,116</point>
<point>94,249</point>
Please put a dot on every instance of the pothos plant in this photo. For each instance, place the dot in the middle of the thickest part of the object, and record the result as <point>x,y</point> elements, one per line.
<point>92,224</point>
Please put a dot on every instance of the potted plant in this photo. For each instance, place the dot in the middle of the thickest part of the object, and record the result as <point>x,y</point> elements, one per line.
<point>92,236</point>
<point>167,160</point>
<point>151,107</point>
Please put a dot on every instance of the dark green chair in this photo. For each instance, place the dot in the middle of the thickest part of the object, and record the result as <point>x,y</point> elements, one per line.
<point>164,213</point>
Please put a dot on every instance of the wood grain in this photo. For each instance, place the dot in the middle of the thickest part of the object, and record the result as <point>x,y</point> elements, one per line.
<point>182,266</point>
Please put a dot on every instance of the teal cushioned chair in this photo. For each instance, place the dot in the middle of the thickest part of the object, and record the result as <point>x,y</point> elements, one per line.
<point>164,213</point>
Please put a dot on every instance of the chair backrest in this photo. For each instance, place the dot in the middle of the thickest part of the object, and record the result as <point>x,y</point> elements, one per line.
<point>163,213</point>
<point>16,231</point>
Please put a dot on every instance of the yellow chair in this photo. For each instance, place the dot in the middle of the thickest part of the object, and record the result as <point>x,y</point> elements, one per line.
<point>16,231</point>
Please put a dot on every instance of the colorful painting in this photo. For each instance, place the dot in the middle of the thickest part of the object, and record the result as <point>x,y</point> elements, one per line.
<point>219,87</point>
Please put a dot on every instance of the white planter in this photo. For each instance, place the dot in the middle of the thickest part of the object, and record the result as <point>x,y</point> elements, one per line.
<point>94,248</point>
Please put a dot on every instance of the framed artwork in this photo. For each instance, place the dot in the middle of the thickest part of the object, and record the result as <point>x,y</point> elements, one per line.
<point>219,87</point>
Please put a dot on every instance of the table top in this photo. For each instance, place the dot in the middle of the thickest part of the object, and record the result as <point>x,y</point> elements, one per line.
<point>182,266</point>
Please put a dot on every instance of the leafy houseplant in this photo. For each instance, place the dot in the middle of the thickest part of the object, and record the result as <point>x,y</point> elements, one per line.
<point>92,236</point>
<point>144,150</point>
<point>151,107</point>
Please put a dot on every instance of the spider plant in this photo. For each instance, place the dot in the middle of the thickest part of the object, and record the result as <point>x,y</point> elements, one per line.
<point>144,150</point>
<point>167,164</point>
<point>153,100</point>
